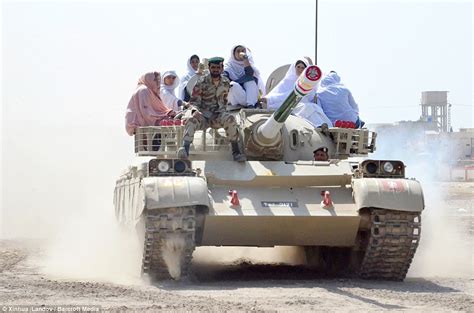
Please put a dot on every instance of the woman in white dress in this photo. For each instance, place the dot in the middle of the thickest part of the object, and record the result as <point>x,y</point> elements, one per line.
<point>169,82</point>
<point>192,68</point>
<point>246,83</point>
<point>307,108</point>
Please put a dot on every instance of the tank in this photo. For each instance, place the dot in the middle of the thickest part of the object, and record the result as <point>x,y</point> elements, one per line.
<point>352,215</point>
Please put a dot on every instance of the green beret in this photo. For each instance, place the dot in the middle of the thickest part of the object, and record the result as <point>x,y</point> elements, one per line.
<point>215,60</point>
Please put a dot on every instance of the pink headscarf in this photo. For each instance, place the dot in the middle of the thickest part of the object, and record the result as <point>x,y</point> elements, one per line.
<point>145,107</point>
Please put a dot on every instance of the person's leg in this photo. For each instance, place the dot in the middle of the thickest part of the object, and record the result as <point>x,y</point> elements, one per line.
<point>156,143</point>
<point>229,123</point>
<point>236,94</point>
<point>251,92</point>
<point>192,124</point>
<point>359,123</point>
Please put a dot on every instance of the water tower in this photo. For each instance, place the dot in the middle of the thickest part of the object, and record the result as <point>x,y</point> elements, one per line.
<point>436,109</point>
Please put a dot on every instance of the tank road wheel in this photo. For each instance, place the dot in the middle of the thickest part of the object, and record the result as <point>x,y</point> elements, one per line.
<point>169,242</point>
<point>393,239</point>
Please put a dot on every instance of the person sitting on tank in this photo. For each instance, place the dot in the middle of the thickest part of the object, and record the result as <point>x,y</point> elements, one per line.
<point>244,76</point>
<point>307,108</point>
<point>208,107</point>
<point>169,82</point>
<point>145,107</point>
<point>337,101</point>
<point>193,68</point>
<point>321,154</point>
<point>280,92</point>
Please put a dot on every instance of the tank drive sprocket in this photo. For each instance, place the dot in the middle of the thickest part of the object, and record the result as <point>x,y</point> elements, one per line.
<point>168,229</point>
<point>394,238</point>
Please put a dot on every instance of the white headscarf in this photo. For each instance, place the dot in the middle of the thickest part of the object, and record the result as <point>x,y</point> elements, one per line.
<point>186,77</point>
<point>167,92</point>
<point>279,93</point>
<point>236,69</point>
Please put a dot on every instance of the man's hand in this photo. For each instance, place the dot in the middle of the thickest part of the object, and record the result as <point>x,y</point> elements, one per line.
<point>245,58</point>
<point>201,68</point>
<point>197,115</point>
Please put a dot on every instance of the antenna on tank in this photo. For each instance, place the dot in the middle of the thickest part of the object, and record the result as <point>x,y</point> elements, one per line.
<point>316,34</point>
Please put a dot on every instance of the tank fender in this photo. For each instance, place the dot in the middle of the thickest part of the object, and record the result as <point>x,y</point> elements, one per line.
<point>175,191</point>
<point>388,193</point>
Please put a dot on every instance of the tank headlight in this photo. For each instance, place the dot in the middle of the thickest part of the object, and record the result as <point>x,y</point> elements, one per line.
<point>371,168</point>
<point>179,166</point>
<point>388,167</point>
<point>163,166</point>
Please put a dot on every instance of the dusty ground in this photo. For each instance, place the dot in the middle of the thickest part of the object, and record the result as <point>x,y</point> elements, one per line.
<point>245,286</point>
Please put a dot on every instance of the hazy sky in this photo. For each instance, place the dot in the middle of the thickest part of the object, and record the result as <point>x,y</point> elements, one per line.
<point>69,69</point>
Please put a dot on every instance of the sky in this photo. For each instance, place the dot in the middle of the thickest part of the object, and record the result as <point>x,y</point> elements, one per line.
<point>68,70</point>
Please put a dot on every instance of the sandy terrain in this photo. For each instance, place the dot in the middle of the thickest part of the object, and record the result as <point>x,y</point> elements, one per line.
<point>440,279</point>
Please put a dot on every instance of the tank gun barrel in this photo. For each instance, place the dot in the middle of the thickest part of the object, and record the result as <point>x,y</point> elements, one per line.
<point>268,131</point>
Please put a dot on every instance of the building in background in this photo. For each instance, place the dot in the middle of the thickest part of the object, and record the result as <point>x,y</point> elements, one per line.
<point>430,140</point>
<point>436,109</point>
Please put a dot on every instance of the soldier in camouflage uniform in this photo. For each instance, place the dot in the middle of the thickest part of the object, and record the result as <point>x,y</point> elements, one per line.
<point>208,106</point>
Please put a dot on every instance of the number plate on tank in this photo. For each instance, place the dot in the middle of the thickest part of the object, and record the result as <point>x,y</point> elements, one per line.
<point>287,204</point>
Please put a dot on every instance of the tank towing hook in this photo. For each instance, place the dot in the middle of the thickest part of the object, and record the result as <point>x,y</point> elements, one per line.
<point>327,201</point>
<point>234,198</point>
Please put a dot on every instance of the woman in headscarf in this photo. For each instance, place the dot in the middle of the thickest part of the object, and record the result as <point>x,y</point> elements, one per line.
<point>245,78</point>
<point>337,100</point>
<point>307,108</point>
<point>145,107</point>
<point>280,92</point>
<point>169,82</point>
<point>192,68</point>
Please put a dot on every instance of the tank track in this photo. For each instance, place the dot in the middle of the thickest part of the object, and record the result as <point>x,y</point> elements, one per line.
<point>394,237</point>
<point>161,225</point>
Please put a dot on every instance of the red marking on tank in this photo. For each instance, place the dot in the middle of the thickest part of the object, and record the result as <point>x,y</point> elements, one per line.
<point>313,73</point>
<point>393,185</point>
<point>234,198</point>
<point>303,89</point>
<point>327,201</point>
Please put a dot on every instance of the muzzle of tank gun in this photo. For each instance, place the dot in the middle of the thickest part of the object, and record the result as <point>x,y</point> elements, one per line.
<point>268,133</point>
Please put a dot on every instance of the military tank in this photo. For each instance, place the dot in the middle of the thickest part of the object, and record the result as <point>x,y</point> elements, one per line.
<point>360,218</point>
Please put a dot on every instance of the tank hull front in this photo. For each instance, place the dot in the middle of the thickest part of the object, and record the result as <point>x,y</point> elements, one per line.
<point>276,216</point>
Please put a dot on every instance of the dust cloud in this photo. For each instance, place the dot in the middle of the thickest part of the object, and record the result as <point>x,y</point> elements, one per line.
<point>207,256</point>
<point>58,191</point>
<point>93,248</point>
<point>446,248</point>
<point>173,251</point>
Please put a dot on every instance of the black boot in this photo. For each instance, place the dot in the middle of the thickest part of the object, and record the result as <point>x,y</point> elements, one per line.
<point>238,156</point>
<point>183,152</point>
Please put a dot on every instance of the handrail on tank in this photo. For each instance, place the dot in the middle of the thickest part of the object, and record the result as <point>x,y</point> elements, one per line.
<point>269,131</point>
<point>353,142</point>
<point>166,140</point>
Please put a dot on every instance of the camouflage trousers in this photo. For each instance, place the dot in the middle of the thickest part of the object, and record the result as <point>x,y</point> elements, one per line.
<point>221,120</point>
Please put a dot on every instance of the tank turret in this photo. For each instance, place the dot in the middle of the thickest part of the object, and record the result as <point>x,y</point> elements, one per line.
<point>267,133</point>
<point>282,136</point>
<point>263,137</point>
